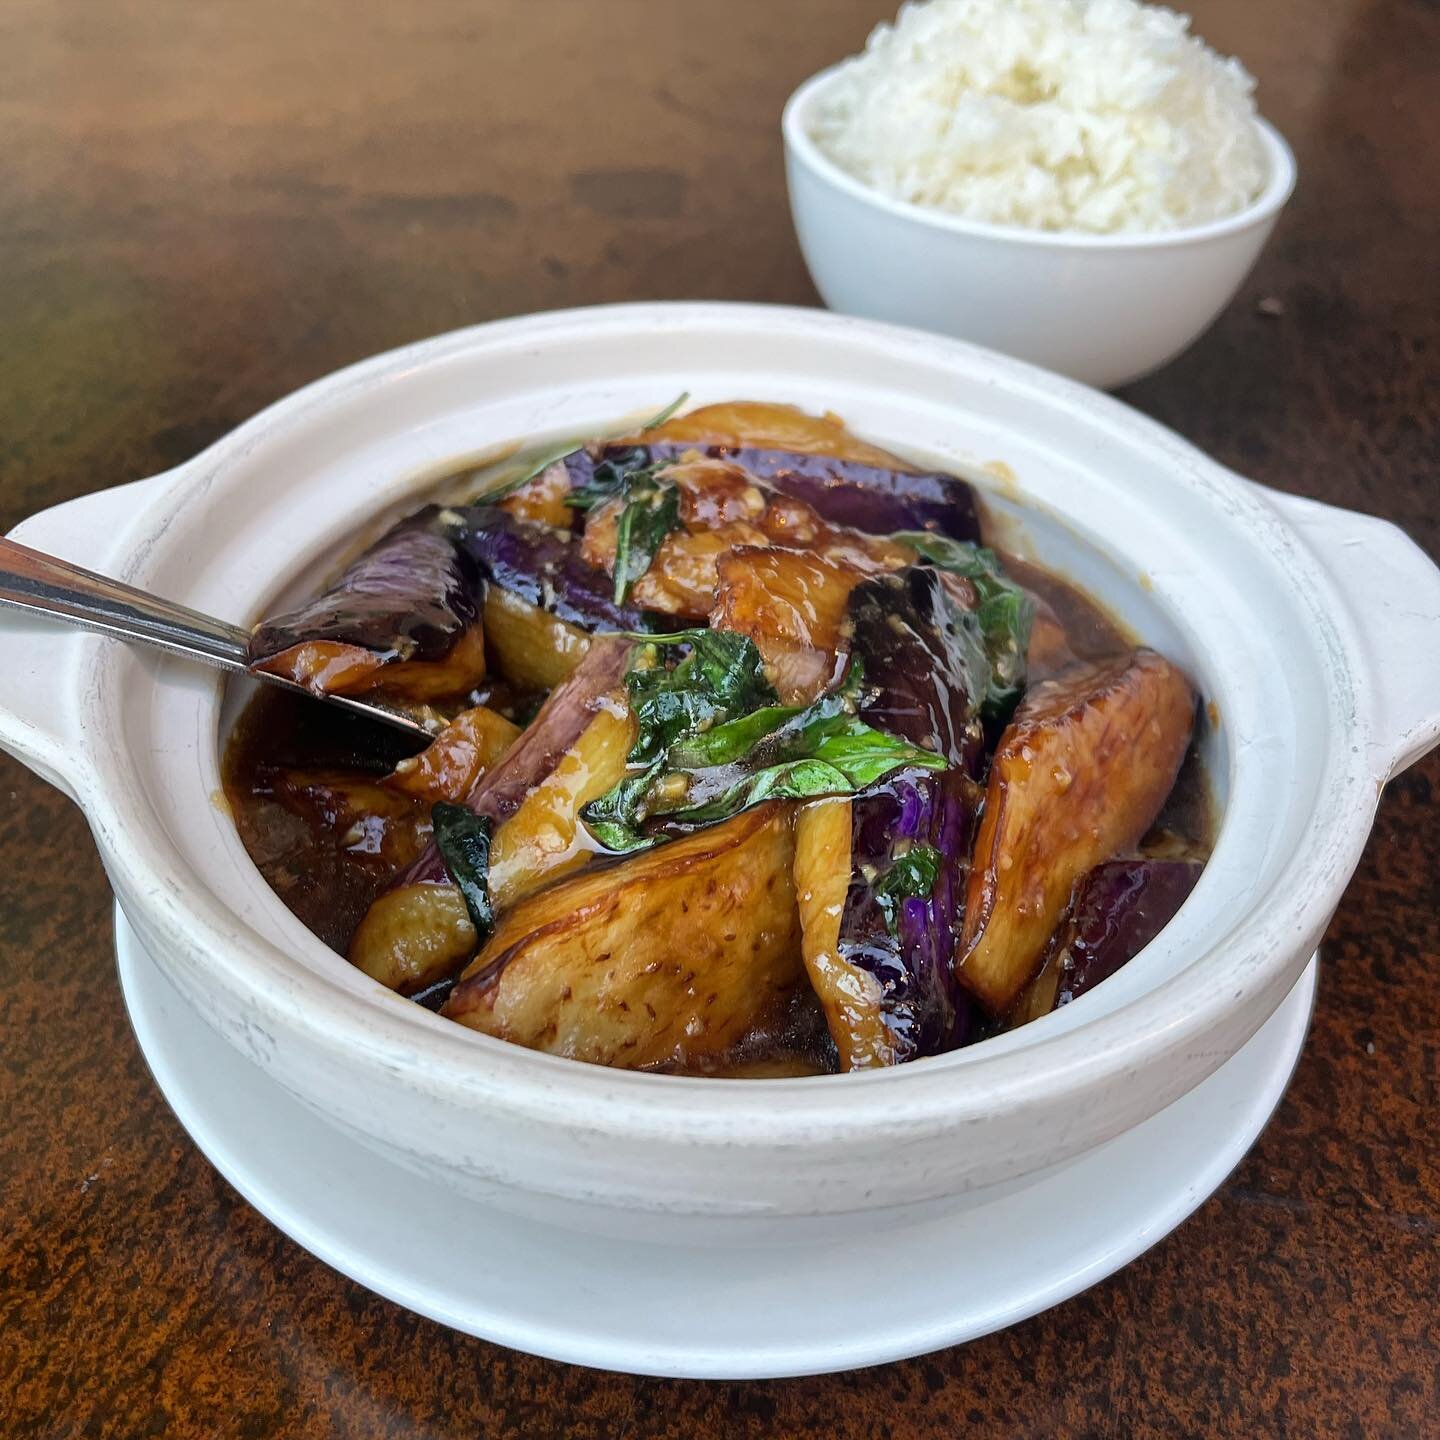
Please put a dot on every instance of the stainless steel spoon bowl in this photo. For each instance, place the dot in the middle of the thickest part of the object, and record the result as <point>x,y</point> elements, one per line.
<point>55,588</point>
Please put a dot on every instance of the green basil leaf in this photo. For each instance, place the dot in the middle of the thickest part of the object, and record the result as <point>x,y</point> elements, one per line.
<point>652,511</point>
<point>775,752</point>
<point>713,742</point>
<point>794,780</point>
<point>558,452</point>
<point>612,477</point>
<point>840,763</point>
<point>614,818</point>
<point>864,755</point>
<point>536,467</point>
<point>667,412</point>
<point>913,875</point>
<point>463,839</point>
<point>732,669</point>
<point>1005,612</point>
<point>618,837</point>
<point>722,677</point>
<point>732,741</point>
<point>770,735</point>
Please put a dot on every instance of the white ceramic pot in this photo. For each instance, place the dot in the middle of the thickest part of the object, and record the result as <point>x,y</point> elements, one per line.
<point>1307,628</point>
<point>1105,309</point>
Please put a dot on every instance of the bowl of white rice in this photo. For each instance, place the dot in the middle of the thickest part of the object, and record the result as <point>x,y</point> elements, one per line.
<point>1081,183</point>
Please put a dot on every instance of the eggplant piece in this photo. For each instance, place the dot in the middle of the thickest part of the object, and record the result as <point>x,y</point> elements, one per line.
<point>682,578</point>
<point>417,938</point>
<point>715,493</point>
<point>735,424</point>
<point>851,996</point>
<point>878,944</point>
<point>1116,911</point>
<point>527,645</point>
<point>546,568</point>
<point>794,608</point>
<point>887,955</point>
<point>565,715</point>
<point>813,458</point>
<point>1119,908</point>
<point>544,838</point>
<point>403,618</point>
<point>794,525</point>
<point>1079,775</point>
<point>861,497</point>
<point>925,665</point>
<point>667,959</point>
<point>413,937</point>
<point>816,459</point>
<point>720,509</point>
<point>450,767</point>
<point>543,500</point>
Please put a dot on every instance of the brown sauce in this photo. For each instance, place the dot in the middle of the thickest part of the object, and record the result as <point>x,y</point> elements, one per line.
<point>325,876</point>
<point>1091,632</point>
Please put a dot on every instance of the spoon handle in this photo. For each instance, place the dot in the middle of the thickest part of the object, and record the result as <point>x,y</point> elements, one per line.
<point>47,586</point>
<point>44,585</point>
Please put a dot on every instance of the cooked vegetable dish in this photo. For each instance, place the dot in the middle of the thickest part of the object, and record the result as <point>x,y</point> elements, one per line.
<point>750,759</point>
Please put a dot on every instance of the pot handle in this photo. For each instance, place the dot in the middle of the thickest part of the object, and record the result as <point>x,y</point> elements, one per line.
<point>1391,588</point>
<point>42,665</point>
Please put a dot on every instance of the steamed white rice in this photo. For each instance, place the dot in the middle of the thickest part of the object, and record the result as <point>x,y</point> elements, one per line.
<point>1104,116</point>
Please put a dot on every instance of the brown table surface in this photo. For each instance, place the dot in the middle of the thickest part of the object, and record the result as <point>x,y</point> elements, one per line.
<point>204,206</point>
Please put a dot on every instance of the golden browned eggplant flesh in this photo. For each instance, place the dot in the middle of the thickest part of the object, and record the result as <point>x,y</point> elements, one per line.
<point>1079,776</point>
<point>759,762</point>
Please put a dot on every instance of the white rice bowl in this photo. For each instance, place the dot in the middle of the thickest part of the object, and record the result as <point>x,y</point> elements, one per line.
<point>1099,116</point>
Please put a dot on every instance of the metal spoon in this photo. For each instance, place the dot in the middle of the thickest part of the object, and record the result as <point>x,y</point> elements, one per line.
<point>44,585</point>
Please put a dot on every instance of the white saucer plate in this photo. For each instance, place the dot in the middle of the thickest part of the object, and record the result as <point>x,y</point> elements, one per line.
<point>706,1312</point>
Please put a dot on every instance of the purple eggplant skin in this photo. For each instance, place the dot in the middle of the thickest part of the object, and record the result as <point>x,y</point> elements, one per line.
<point>580,471</point>
<point>1117,910</point>
<point>926,671</point>
<point>410,596</point>
<point>909,951</point>
<point>545,567</point>
<point>845,492</point>
<point>925,675</point>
